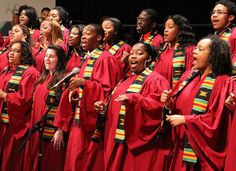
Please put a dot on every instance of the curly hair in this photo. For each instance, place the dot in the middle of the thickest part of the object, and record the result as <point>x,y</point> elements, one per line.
<point>220,57</point>
<point>31,13</point>
<point>185,37</point>
<point>231,6</point>
<point>26,53</point>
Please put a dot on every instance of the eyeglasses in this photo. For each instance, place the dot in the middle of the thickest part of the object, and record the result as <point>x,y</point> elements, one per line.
<point>218,12</point>
<point>15,51</point>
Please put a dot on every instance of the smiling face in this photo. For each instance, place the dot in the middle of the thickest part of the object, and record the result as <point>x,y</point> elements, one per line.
<point>138,56</point>
<point>14,55</point>
<point>220,18</point>
<point>171,31</point>
<point>50,60</point>
<point>144,24</point>
<point>201,55</point>
<point>109,30</point>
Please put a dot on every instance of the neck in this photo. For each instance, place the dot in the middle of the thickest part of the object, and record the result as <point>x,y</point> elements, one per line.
<point>206,71</point>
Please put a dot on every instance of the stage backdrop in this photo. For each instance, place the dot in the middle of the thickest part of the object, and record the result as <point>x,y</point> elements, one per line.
<point>8,7</point>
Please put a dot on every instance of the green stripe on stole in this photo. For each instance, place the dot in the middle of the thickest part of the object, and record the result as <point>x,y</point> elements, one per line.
<point>226,34</point>
<point>149,38</point>
<point>49,130</point>
<point>116,47</point>
<point>87,74</point>
<point>13,86</point>
<point>199,107</point>
<point>178,63</point>
<point>135,87</point>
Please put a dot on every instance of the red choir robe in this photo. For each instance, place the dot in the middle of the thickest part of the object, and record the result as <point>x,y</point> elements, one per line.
<point>164,64</point>
<point>74,61</point>
<point>82,153</point>
<point>4,59</point>
<point>232,41</point>
<point>18,109</point>
<point>51,159</point>
<point>207,133</point>
<point>142,150</point>
<point>156,41</point>
<point>119,54</point>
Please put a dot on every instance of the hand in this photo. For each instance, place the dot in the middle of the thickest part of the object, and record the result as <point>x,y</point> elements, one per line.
<point>99,106</point>
<point>175,120</point>
<point>58,140</point>
<point>3,95</point>
<point>125,56</point>
<point>230,102</point>
<point>73,96</point>
<point>122,97</point>
<point>233,77</point>
<point>166,98</point>
<point>76,83</point>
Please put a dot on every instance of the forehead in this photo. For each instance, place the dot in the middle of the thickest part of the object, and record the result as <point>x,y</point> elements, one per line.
<point>51,51</point>
<point>138,46</point>
<point>144,14</point>
<point>107,23</point>
<point>54,11</point>
<point>46,22</point>
<point>16,46</point>
<point>220,7</point>
<point>74,29</point>
<point>204,42</point>
<point>170,22</point>
<point>89,28</point>
<point>16,27</point>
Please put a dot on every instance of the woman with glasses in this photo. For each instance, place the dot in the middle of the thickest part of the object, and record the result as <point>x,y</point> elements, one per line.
<point>222,19</point>
<point>16,97</point>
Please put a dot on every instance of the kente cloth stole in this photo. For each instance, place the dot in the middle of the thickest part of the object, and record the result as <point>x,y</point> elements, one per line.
<point>116,47</point>
<point>87,74</point>
<point>199,107</point>
<point>135,87</point>
<point>13,86</point>
<point>149,38</point>
<point>49,130</point>
<point>234,68</point>
<point>178,63</point>
<point>226,34</point>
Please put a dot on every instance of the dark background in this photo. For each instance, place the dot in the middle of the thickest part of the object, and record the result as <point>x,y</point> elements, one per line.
<point>87,11</point>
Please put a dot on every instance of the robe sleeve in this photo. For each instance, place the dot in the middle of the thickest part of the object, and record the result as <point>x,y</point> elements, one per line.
<point>189,57</point>
<point>144,112</point>
<point>64,112</point>
<point>19,103</point>
<point>104,78</point>
<point>208,133</point>
<point>232,42</point>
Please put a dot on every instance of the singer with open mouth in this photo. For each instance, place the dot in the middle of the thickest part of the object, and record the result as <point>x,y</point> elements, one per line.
<point>46,102</point>
<point>16,97</point>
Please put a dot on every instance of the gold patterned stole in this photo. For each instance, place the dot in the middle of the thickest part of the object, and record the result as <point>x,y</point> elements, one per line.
<point>116,47</point>
<point>149,38</point>
<point>135,87</point>
<point>87,74</point>
<point>178,63</point>
<point>199,107</point>
<point>12,86</point>
<point>226,34</point>
<point>52,102</point>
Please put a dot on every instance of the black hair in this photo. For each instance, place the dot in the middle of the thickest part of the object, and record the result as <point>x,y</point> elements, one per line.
<point>220,57</point>
<point>231,7</point>
<point>186,37</point>
<point>64,15</point>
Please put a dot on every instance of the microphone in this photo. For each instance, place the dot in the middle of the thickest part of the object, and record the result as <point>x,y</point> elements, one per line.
<point>66,78</point>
